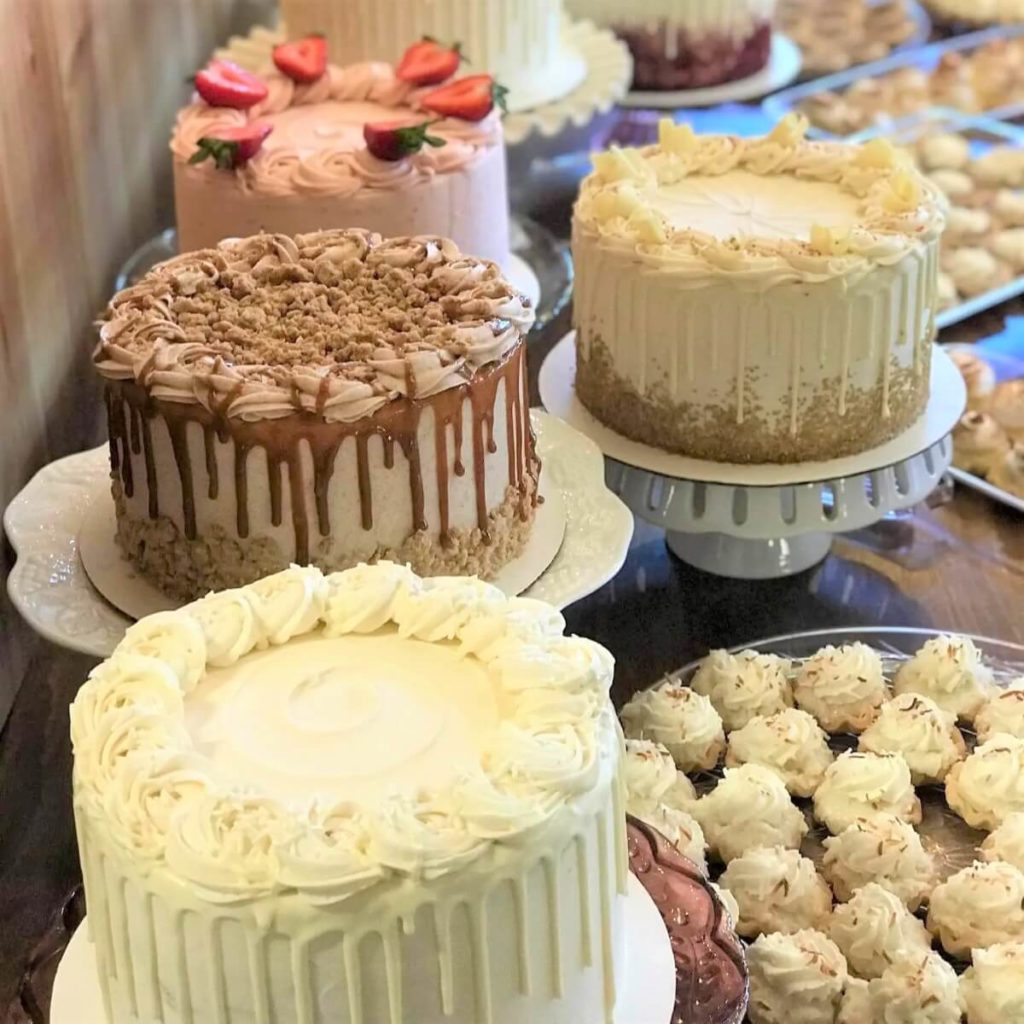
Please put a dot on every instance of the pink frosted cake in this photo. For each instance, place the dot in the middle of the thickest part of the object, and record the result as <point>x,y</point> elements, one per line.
<point>687,44</point>
<point>292,156</point>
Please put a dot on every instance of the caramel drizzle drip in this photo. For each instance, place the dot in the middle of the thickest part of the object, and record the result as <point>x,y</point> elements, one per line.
<point>396,424</point>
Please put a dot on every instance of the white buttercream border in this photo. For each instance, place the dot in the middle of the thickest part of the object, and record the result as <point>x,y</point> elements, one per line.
<point>137,771</point>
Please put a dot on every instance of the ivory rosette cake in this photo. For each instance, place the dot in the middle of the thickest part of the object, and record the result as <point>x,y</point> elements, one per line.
<point>300,160</point>
<point>687,45</point>
<point>330,398</point>
<point>755,300</point>
<point>520,42</point>
<point>361,798</point>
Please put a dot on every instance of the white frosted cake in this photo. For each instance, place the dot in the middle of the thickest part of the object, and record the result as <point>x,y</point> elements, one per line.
<point>330,399</point>
<point>311,166</point>
<point>520,42</point>
<point>362,799</point>
<point>687,44</point>
<point>755,300</point>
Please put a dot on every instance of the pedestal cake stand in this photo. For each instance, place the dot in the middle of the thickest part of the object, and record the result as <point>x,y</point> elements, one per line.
<point>764,521</point>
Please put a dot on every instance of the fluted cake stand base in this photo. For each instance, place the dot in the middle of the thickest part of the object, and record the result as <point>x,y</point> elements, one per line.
<point>647,996</point>
<point>764,521</point>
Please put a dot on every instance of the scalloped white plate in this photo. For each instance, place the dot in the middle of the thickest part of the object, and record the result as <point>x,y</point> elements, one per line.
<point>50,588</point>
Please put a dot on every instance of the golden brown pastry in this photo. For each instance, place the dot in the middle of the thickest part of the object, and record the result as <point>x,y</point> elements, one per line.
<point>979,443</point>
<point>1007,407</point>
<point>1008,473</point>
<point>978,375</point>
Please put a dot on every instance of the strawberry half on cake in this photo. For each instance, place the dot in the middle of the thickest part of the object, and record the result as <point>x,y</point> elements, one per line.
<point>414,149</point>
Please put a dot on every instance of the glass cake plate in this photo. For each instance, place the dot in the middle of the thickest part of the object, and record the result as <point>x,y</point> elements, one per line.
<point>952,842</point>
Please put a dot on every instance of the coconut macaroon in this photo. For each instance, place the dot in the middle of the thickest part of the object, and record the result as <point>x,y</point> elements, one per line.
<point>875,930</point>
<point>977,907</point>
<point>920,989</point>
<point>882,849</point>
<point>745,685</point>
<point>1006,843</point>
<point>993,986</point>
<point>681,719</point>
<point>859,785</point>
<point>777,890</point>
<point>795,979</point>
<point>790,742</point>
<point>652,778</point>
<point>750,807</point>
<point>950,671</point>
<point>678,827</point>
<point>1004,713</point>
<point>843,687</point>
<point>988,785</point>
<point>916,727</point>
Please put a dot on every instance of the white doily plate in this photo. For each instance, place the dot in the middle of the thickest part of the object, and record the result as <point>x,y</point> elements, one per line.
<point>782,68</point>
<point>568,120</point>
<point>49,586</point>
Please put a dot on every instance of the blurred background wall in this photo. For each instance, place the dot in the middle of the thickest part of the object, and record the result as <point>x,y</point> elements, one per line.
<point>88,92</point>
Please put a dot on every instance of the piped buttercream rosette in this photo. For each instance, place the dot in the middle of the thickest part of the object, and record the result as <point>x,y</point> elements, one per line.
<point>138,768</point>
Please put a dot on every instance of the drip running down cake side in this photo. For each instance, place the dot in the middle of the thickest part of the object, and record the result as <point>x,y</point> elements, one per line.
<point>329,399</point>
<point>756,300</point>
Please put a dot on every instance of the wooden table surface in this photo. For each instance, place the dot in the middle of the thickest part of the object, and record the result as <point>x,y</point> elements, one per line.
<point>958,566</point>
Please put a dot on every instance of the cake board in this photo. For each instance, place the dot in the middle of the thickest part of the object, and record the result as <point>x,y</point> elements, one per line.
<point>783,67</point>
<point>648,994</point>
<point>130,592</point>
<point>769,520</point>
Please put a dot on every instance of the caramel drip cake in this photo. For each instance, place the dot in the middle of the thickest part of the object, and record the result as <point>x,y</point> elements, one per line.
<point>756,300</point>
<point>329,398</point>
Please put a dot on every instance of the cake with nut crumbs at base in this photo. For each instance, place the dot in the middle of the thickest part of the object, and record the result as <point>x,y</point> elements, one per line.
<point>307,145</point>
<point>755,300</point>
<point>522,43</point>
<point>367,798</point>
<point>687,45</point>
<point>330,398</point>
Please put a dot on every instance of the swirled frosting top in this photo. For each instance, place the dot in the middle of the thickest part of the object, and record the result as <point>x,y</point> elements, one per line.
<point>317,147</point>
<point>335,323</point>
<point>318,735</point>
<point>763,210</point>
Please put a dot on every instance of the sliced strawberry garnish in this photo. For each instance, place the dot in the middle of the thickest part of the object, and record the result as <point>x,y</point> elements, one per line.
<point>469,99</point>
<point>232,147</point>
<point>222,83</point>
<point>392,140</point>
<point>429,63</point>
<point>304,60</point>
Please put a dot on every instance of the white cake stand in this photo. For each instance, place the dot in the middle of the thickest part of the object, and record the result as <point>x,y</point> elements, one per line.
<point>647,996</point>
<point>783,67</point>
<point>764,521</point>
<point>49,586</point>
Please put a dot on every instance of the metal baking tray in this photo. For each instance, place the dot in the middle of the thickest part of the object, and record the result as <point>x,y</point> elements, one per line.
<point>927,57</point>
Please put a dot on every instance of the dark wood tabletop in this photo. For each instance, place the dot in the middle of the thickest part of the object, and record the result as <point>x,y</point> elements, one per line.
<point>957,566</point>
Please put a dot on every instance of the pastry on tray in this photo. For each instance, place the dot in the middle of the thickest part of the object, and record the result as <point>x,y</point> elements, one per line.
<point>777,890</point>
<point>860,785</point>
<point>1003,712</point>
<point>979,906</point>
<point>919,989</point>
<point>1006,843</point>
<point>795,978</point>
<point>979,443</point>
<point>745,685</point>
<point>843,687</point>
<point>950,670</point>
<point>989,784</point>
<point>1008,472</point>
<point>993,986</point>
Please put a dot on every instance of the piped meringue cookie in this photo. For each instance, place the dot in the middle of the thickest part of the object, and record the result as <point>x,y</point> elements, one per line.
<point>919,989</point>
<point>979,443</point>
<point>745,685</point>
<point>954,183</point>
<point>1008,245</point>
<point>842,687</point>
<point>965,225</point>
<point>943,151</point>
<point>875,930</point>
<point>989,784</point>
<point>750,807</point>
<point>1008,206</point>
<point>980,906</point>
<point>993,986</point>
<point>916,727</point>
<point>795,979</point>
<point>974,270</point>
<point>651,776</point>
<point>728,901</point>
<point>882,849</point>
<point>948,669</point>
<point>977,373</point>
<point>1006,843</point>
<point>681,719</point>
<point>859,785</point>
<point>790,742</point>
<point>777,890</point>
<point>1004,713</point>
<point>856,1005</point>
<point>678,827</point>
<point>1008,472</point>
